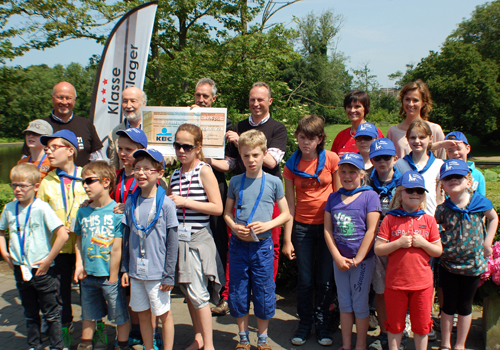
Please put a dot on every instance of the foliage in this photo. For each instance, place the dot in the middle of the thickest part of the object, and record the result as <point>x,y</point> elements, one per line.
<point>490,279</point>
<point>364,80</point>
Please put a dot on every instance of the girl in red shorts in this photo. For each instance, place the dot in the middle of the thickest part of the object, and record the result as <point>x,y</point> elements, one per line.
<point>410,237</point>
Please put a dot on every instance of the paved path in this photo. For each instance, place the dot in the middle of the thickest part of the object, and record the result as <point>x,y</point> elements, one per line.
<point>282,326</point>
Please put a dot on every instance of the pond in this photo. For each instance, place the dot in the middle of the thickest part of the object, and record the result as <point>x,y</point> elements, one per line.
<point>9,155</point>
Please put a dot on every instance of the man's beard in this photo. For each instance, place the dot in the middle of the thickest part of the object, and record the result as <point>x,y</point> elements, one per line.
<point>134,116</point>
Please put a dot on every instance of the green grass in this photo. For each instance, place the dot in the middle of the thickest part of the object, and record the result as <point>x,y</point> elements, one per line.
<point>10,139</point>
<point>333,130</point>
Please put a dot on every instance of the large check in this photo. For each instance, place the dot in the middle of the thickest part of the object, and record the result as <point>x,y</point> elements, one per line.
<point>161,123</point>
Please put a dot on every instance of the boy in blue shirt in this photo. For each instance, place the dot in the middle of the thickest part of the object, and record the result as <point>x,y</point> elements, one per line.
<point>31,223</point>
<point>150,247</point>
<point>251,253</point>
<point>98,254</point>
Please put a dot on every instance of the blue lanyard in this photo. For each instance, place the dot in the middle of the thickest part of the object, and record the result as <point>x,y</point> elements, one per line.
<point>63,191</point>
<point>22,236</point>
<point>122,192</point>
<point>240,198</point>
<point>160,196</point>
<point>39,164</point>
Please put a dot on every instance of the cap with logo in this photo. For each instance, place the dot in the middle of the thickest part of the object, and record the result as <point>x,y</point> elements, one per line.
<point>156,155</point>
<point>367,129</point>
<point>136,135</point>
<point>454,167</point>
<point>381,147</point>
<point>63,134</point>
<point>40,127</point>
<point>458,136</point>
<point>354,159</point>
<point>412,179</point>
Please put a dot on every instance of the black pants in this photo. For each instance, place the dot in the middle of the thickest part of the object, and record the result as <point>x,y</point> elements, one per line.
<point>63,270</point>
<point>40,293</point>
<point>458,292</point>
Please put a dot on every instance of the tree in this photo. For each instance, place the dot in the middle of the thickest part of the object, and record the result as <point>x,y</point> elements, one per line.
<point>363,80</point>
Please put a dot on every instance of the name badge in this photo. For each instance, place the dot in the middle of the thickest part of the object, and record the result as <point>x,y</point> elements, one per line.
<point>142,266</point>
<point>184,233</point>
<point>72,226</point>
<point>254,235</point>
<point>26,271</point>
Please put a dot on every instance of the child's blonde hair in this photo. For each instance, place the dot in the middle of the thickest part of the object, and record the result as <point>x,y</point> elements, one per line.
<point>396,201</point>
<point>468,177</point>
<point>28,172</point>
<point>70,145</point>
<point>422,127</point>
<point>361,172</point>
<point>253,138</point>
<point>102,170</point>
<point>197,135</point>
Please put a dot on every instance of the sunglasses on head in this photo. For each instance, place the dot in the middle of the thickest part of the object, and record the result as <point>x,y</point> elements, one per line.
<point>186,147</point>
<point>364,138</point>
<point>90,180</point>
<point>417,190</point>
<point>453,177</point>
<point>385,157</point>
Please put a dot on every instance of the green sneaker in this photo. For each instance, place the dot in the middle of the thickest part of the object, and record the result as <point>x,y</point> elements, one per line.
<point>66,337</point>
<point>100,337</point>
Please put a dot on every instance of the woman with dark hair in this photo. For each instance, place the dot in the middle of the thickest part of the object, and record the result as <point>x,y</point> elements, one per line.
<point>416,103</point>
<point>357,106</point>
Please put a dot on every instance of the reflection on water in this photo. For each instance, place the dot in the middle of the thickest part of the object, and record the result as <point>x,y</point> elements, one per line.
<point>8,158</point>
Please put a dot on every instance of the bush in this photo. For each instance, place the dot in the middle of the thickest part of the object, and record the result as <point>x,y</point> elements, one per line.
<point>6,196</point>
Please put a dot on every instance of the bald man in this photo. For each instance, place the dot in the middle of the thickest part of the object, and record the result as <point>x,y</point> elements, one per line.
<point>133,99</point>
<point>62,117</point>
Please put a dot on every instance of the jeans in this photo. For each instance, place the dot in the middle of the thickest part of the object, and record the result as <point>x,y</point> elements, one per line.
<point>63,270</point>
<point>310,250</point>
<point>40,294</point>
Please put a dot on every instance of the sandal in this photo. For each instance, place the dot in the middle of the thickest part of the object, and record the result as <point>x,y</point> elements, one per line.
<point>264,347</point>
<point>245,346</point>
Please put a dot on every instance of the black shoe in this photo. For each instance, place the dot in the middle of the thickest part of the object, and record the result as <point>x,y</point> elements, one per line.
<point>324,337</point>
<point>300,336</point>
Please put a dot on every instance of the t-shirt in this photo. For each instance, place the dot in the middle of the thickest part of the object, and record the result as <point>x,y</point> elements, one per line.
<point>431,179</point>
<point>161,244</point>
<point>345,143</point>
<point>276,135</point>
<point>130,186</point>
<point>98,228</point>
<point>311,195</point>
<point>479,183</point>
<point>398,137</point>
<point>408,268</point>
<point>463,241</point>
<point>44,168</point>
<point>38,237</point>
<point>384,198</point>
<point>273,190</point>
<point>88,140</point>
<point>349,221</point>
<point>50,192</point>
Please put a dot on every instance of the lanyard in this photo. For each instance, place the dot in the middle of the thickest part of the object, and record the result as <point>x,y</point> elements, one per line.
<point>22,236</point>
<point>123,195</point>
<point>39,164</point>
<point>187,194</point>
<point>63,191</point>
<point>240,198</point>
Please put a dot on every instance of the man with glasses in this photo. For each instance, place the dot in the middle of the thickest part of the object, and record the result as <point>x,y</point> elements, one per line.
<point>62,118</point>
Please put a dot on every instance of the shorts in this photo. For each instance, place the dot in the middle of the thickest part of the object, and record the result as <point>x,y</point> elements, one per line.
<point>101,298</point>
<point>420,304</point>
<point>251,274</point>
<point>197,290</point>
<point>353,287</point>
<point>378,280</point>
<point>146,295</point>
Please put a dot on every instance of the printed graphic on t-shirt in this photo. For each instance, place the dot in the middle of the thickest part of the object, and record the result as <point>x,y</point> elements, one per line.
<point>81,146</point>
<point>309,184</point>
<point>101,235</point>
<point>344,224</point>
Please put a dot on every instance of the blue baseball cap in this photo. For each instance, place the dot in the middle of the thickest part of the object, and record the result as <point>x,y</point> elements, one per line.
<point>354,159</point>
<point>381,147</point>
<point>63,134</point>
<point>457,135</point>
<point>412,179</point>
<point>156,155</point>
<point>366,129</point>
<point>136,135</point>
<point>454,167</point>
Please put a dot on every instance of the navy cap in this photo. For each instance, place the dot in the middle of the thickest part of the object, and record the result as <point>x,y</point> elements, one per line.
<point>156,155</point>
<point>63,134</point>
<point>366,129</point>
<point>381,147</point>
<point>412,179</point>
<point>136,135</point>
<point>454,167</point>
<point>457,135</point>
<point>354,159</point>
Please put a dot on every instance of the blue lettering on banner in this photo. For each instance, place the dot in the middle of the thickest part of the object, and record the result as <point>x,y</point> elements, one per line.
<point>164,136</point>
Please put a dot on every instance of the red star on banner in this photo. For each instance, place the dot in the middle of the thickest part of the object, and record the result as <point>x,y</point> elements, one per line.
<point>105,81</point>
<point>103,91</point>
<point>103,100</point>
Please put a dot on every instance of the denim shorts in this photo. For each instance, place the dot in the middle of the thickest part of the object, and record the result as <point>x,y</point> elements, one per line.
<point>101,298</point>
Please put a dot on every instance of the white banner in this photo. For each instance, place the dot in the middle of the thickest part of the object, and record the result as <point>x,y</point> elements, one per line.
<point>123,64</point>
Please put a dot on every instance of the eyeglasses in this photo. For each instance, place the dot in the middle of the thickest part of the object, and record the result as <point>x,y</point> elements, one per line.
<point>54,148</point>
<point>21,186</point>
<point>385,157</point>
<point>146,171</point>
<point>90,180</point>
<point>62,98</point>
<point>186,147</point>
<point>453,177</point>
<point>417,190</point>
<point>364,138</point>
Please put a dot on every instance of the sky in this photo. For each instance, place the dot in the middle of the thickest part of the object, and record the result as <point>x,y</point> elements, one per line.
<point>386,34</point>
